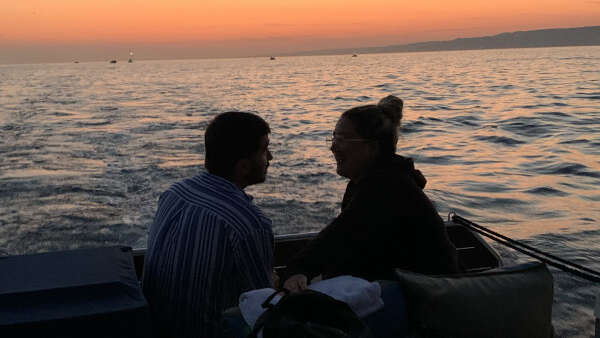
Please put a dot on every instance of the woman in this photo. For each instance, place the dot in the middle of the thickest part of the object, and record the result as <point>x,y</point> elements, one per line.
<point>387,221</point>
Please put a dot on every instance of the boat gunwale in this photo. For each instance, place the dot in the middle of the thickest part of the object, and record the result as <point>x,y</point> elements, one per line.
<point>283,243</point>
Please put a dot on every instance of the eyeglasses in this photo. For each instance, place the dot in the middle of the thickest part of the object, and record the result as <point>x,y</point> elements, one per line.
<point>340,140</point>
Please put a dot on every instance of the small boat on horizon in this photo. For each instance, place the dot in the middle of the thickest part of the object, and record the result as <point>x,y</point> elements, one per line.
<point>272,58</point>
<point>113,61</point>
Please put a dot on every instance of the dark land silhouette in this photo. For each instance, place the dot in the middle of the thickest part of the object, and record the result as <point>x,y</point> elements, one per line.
<point>558,37</point>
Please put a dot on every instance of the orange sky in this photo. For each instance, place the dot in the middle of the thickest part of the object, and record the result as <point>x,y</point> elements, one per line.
<point>244,27</point>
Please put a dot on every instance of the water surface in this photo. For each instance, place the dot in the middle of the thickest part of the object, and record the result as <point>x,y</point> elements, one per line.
<point>507,138</point>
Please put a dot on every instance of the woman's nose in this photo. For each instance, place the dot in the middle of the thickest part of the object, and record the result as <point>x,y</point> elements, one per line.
<point>269,155</point>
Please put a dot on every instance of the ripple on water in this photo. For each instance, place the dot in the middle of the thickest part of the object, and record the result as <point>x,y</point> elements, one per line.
<point>501,140</point>
<point>548,214</point>
<point>487,202</point>
<point>593,198</point>
<point>542,105</point>
<point>153,127</point>
<point>465,120</point>
<point>438,107</point>
<point>587,96</point>
<point>9,127</point>
<point>467,102</point>
<point>528,126</point>
<point>578,141</point>
<point>103,138</point>
<point>29,174</point>
<point>341,98</point>
<point>546,191</point>
<point>61,114</point>
<point>84,124</point>
<point>445,160</point>
<point>487,187</point>
<point>567,168</point>
<point>501,87</point>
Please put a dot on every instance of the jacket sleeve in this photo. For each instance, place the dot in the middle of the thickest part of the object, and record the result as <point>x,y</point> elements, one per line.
<point>314,258</point>
<point>345,245</point>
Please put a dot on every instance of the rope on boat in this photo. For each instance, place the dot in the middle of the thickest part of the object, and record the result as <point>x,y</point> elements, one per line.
<point>510,240</point>
<point>567,266</point>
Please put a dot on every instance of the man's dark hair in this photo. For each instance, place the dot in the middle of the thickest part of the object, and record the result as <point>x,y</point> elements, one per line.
<point>230,137</point>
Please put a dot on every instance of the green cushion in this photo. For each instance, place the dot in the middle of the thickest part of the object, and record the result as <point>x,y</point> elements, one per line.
<point>504,302</point>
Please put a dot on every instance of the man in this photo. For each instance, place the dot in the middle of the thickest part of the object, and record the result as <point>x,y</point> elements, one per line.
<point>209,242</point>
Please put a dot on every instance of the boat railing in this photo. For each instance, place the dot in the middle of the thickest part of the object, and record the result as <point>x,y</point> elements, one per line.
<point>474,253</point>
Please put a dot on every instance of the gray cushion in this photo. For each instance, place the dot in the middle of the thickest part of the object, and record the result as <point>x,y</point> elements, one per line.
<point>504,302</point>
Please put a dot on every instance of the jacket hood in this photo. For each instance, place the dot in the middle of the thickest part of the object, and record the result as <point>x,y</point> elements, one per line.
<point>399,164</point>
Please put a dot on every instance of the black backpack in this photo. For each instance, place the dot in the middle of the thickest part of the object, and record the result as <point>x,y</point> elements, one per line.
<point>308,314</point>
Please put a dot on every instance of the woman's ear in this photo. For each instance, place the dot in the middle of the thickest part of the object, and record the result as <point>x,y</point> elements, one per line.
<point>374,149</point>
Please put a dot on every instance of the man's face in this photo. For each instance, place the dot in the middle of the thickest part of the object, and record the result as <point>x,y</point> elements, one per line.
<point>259,162</point>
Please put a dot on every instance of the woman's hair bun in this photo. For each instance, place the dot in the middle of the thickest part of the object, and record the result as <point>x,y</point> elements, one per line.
<point>392,108</point>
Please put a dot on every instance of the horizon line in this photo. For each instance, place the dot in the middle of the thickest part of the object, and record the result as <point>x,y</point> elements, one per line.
<point>343,50</point>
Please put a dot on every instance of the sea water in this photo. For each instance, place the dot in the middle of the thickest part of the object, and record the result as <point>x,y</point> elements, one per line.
<point>507,138</point>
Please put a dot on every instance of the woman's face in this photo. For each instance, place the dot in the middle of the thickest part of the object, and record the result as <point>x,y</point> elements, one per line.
<point>353,154</point>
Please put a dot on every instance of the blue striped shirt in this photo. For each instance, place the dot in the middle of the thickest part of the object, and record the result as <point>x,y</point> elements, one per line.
<point>207,245</point>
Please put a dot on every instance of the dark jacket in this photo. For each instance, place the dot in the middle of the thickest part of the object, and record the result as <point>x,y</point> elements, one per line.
<point>386,222</point>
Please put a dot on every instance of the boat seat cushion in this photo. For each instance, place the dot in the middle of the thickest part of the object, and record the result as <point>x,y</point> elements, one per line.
<point>90,292</point>
<point>504,302</point>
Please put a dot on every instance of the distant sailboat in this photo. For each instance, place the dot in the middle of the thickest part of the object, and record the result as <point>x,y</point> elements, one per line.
<point>354,55</point>
<point>272,58</point>
<point>130,56</point>
<point>113,61</point>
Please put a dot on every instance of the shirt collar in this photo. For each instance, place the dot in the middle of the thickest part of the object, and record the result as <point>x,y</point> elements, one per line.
<point>224,185</point>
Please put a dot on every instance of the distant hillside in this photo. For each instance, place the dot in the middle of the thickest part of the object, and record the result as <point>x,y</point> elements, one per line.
<point>581,36</point>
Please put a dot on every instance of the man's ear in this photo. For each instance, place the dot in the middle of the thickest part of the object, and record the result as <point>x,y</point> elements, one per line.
<point>240,172</point>
<point>242,167</point>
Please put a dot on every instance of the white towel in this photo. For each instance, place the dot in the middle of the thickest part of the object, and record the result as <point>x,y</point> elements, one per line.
<point>362,296</point>
<point>250,304</point>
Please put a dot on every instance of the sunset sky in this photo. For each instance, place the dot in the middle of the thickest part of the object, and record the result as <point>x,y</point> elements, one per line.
<point>64,30</point>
